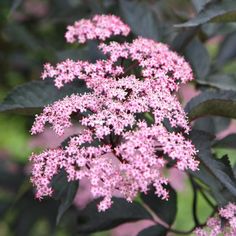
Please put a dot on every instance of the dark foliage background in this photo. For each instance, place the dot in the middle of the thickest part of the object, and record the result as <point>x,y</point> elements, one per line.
<point>32,33</point>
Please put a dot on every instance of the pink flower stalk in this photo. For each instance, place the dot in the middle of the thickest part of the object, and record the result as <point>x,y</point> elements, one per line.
<point>215,227</point>
<point>99,27</point>
<point>125,144</point>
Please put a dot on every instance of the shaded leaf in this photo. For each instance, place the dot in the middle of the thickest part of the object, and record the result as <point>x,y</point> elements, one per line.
<point>228,169</point>
<point>211,124</point>
<point>89,52</point>
<point>165,210</point>
<point>217,11</point>
<point>218,103</point>
<point>90,220</point>
<point>216,173</point>
<point>182,39</point>
<point>31,97</point>
<point>140,17</point>
<point>198,57</point>
<point>219,81</point>
<point>30,212</point>
<point>64,191</point>
<point>227,49</point>
<point>68,199</point>
<point>156,230</point>
<point>199,4</point>
<point>21,35</point>
<point>227,142</point>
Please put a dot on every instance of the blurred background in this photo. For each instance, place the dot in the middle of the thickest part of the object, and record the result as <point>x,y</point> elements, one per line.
<point>32,33</point>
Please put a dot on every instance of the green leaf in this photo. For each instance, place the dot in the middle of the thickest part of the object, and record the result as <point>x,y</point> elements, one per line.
<point>156,230</point>
<point>198,57</point>
<point>227,49</point>
<point>217,11</point>
<point>227,142</point>
<point>121,211</point>
<point>64,191</point>
<point>216,173</point>
<point>165,210</point>
<point>31,97</point>
<point>217,103</point>
<point>219,81</point>
<point>140,16</point>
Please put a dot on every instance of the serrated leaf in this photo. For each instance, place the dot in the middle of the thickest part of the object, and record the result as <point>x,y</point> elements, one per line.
<point>140,17</point>
<point>64,191</point>
<point>156,230</point>
<point>31,97</point>
<point>217,103</point>
<point>216,173</point>
<point>228,169</point>
<point>121,211</point>
<point>227,142</point>
<point>165,210</point>
<point>198,57</point>
<point>227,49</point>
<point>217,11</point>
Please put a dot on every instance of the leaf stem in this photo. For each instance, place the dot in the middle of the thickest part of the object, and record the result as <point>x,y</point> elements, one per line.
<point>194,208</point>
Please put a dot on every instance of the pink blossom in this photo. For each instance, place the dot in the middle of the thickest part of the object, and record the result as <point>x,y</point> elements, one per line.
<point>124,145</point>
<point>99,27</point>
<point>216,228</point>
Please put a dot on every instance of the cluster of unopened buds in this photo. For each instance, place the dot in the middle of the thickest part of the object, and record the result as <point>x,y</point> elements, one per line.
<point>133,123</point>
<point>222,224</point>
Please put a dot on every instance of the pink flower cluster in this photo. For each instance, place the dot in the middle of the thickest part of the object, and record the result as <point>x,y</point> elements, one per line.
<point>223,224</point>
<point>125,145</point>
<point>99,27</point>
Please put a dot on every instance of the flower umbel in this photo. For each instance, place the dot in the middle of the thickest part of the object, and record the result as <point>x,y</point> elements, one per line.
<point>133,122</point>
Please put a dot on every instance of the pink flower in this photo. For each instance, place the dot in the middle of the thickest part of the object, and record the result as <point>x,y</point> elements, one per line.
<point>124,145</point>
<point>215,226</point>
<point>99,27</point>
